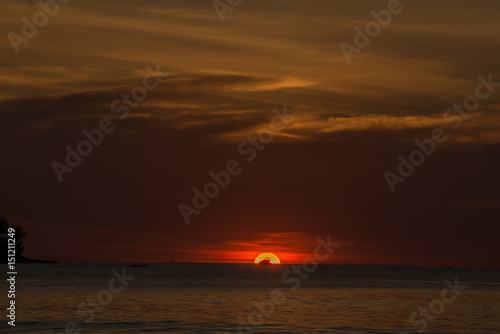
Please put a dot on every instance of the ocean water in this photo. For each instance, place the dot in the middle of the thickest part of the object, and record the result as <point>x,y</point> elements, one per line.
<point>220,298</point>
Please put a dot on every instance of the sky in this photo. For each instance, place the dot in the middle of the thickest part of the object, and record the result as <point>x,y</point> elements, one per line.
<point>323,174</point>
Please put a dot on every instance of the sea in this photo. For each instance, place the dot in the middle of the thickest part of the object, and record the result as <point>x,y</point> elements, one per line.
<point>246,298</point>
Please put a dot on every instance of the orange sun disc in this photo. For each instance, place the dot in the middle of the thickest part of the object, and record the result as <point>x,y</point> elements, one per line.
<point>267,258</point>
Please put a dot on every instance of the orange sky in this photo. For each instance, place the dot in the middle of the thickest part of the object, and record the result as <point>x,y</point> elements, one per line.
<point>321,175</point>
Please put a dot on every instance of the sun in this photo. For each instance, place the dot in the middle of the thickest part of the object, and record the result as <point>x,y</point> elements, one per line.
<point>269,258</point>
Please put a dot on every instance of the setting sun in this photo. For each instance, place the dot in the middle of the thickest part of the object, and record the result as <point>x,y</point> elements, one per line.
<point>267,258</point>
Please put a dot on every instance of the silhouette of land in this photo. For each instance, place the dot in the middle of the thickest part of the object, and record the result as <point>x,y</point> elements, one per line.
<point>19,235</point>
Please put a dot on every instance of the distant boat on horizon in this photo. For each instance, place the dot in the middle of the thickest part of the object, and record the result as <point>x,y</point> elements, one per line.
<point>265,262</point>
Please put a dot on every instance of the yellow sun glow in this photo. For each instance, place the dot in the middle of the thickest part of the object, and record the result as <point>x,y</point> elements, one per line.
<point>267,256</point>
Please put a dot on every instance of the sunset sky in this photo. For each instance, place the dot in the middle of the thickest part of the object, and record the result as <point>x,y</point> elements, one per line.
<point>322,175</point>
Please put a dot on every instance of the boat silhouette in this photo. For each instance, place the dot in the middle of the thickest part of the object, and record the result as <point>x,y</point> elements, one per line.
<point>265,262</point>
